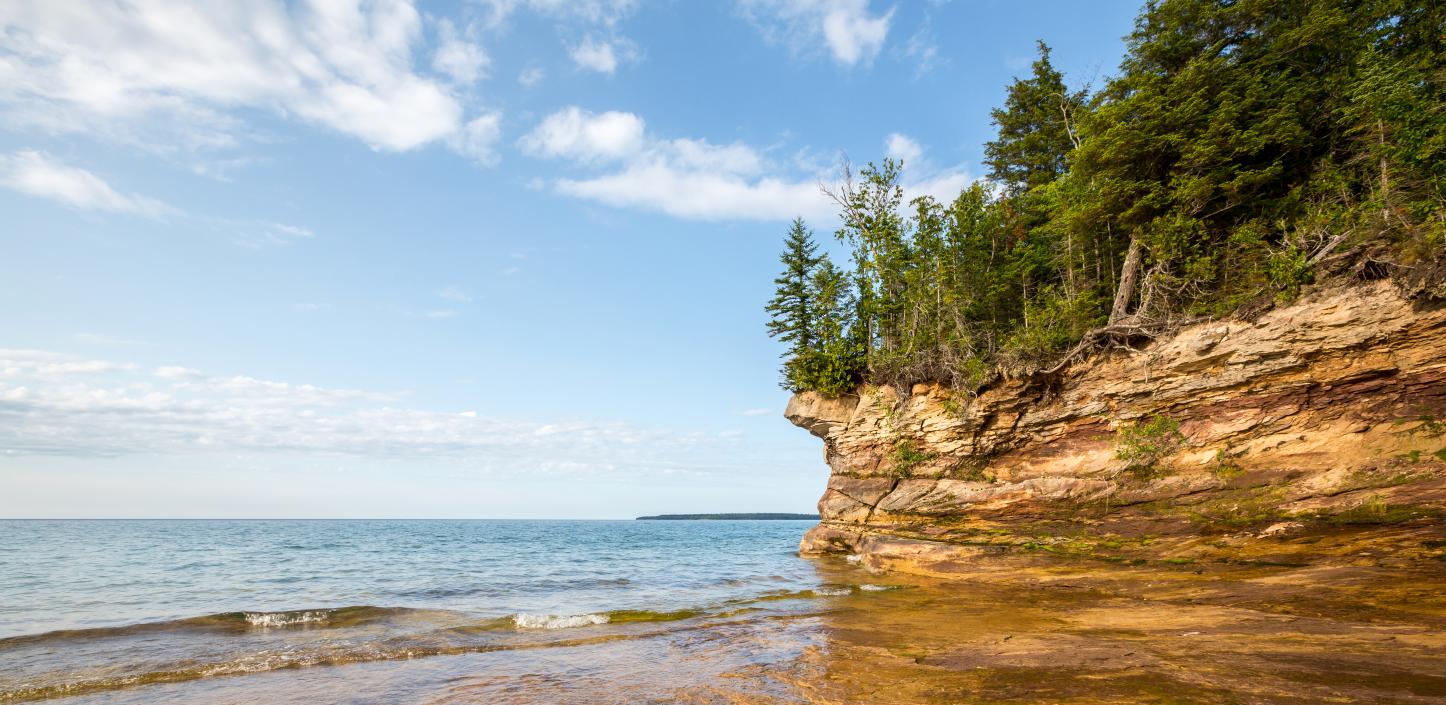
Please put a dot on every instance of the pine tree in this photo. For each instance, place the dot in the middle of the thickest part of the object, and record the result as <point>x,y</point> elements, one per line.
<point>791,308</point>
<point>1036,129</point>
<point>835,365</point>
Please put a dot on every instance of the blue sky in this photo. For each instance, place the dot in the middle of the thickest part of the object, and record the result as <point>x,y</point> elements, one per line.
<point>493,258</point>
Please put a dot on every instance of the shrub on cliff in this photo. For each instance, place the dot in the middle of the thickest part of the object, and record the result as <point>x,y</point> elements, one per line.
<point>1143,445</point>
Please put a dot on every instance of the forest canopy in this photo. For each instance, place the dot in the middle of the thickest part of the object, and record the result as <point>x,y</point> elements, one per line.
<point>1246,148</point>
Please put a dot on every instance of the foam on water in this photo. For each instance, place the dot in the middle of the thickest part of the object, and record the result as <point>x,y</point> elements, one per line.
<point>268,620</point>
<point>557,621</point>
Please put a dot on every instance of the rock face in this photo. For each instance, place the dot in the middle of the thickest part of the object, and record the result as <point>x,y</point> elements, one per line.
<point>1325,418</point>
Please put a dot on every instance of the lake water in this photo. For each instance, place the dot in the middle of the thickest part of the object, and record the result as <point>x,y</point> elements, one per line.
<point>213,611</point>
<point>534,612</point>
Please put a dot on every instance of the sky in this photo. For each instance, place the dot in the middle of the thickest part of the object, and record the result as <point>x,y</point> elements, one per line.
<point>487,258</point>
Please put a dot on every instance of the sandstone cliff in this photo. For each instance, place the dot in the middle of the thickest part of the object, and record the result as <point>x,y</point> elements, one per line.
<point>1315,434</point>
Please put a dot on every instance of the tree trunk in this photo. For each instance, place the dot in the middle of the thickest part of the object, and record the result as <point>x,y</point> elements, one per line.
<point>1129,274</point>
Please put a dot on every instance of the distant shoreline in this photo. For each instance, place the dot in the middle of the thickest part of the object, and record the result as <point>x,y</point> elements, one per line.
<point>712,517</point>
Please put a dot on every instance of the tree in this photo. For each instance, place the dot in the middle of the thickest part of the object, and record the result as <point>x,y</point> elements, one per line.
<point>835,365</point>
<point>1036,129</point>
<point>791,308</point>
<point>1245,147</point>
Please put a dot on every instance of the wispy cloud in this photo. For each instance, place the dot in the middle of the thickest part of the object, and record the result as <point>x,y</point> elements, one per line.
<point>923,50</point>
<point>38,174</point>
<point>902,148</point>
<point>52,403</point>
<point>452,293</point>
<point>852,32</point>
<point>457,58</point>
<point>757,412</point>
<point>602,13</point>
<point>602,56</point>
<point>687,178</point>
<point>531,77</point>
<point>255,235</point>
<point>190,74</point>
<point>697,179</point>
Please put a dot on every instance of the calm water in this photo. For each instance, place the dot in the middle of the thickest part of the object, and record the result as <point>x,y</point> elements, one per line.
<point>227,611</point>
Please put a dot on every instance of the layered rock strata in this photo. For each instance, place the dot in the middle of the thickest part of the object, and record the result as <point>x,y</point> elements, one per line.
<point>1312,432</point>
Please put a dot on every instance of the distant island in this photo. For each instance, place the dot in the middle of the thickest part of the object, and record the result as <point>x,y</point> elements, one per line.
<point>713,517</point>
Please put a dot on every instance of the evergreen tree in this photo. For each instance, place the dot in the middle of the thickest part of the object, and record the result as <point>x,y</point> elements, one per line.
<point>1036,129</point>
<point>835,365</point>
<point>791,308</point>
<point>1244,145</point>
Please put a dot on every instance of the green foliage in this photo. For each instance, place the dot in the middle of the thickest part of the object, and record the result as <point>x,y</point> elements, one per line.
<point>1225,466</point>
<point>811,311</point>
<point>791,312</point>
<point>1243,144</point>
<point>905,456</point>
<point>1035,129</point>
<point>1145,444</point>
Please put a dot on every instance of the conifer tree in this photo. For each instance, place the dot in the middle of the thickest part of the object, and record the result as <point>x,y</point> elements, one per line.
<point>1243,147</point>
<point>791,315</point>
<point>835,365</point>
<point>1036,129</point>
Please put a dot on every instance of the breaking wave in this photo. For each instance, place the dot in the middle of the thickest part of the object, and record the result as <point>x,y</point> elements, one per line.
<point>557,621</point>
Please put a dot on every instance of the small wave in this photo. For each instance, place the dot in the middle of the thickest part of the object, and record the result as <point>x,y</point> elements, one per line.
<point>224,621</point>
<point>522,620</point>
<point>876,588</point>
<point>832,591</point>
<point>269,620</point>
<point>853,558</point>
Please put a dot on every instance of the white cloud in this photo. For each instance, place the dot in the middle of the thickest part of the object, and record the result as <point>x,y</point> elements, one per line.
<point>168,73</point>
<point>682,177</point>
<point>902,148</point>
<point>852,32</point>
<point>921,176</point>
<point>574,133</point>
<point>595,12</point>
<point>177,373</point>
<point>478,138</point>
<point>689,193</point>
<point>602,57</point>
<point>757,412</point>
<point>463,61</point>
<point>38,174</point>
<point>58,404</point>
<point>696,179</point>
